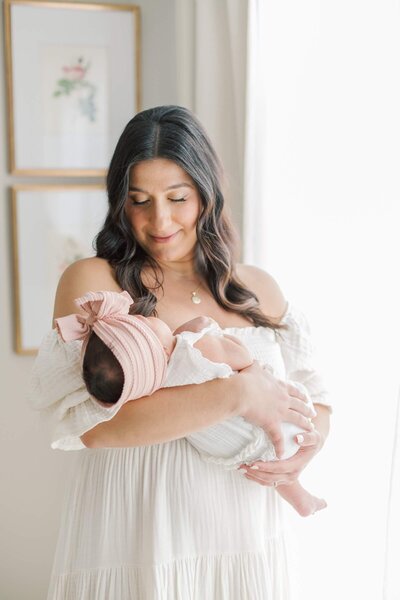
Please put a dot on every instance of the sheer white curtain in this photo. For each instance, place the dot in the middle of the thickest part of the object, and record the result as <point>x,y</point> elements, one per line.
<point>392,554</point>
<point>321,213</point>
<point>211,59</point>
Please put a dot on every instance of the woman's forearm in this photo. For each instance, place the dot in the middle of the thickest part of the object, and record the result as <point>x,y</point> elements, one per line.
<point>168,414</point>
<point>322,420</point>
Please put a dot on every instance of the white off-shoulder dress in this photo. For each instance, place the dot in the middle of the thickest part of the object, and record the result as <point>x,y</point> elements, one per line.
<point>160,522</point>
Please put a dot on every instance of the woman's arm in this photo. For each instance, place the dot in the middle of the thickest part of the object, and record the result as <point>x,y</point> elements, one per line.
<point>168,414</point>
<point>286,471</point>
<point>174,412</point>
<point>321,423</point>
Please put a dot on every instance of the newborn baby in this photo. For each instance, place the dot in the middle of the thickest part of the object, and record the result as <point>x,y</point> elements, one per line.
<point>125,357</point>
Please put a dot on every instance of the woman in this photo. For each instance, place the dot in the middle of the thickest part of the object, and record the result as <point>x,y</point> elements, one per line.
<point>145,517</point>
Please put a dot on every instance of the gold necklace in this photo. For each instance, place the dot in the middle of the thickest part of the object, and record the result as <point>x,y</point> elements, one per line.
<point>195,298</point>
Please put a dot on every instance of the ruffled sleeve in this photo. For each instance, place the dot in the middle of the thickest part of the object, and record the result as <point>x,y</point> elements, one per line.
<point>58,391</point>
<point>187,364</point>
<point>298,355</point>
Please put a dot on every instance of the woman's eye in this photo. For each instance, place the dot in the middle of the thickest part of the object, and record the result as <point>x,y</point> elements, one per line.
<point>138,203</point>
<point>177,199</point>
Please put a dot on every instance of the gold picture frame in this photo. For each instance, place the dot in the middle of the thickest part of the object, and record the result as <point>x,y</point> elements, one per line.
<point>82,90</point>
<point>52,227</point>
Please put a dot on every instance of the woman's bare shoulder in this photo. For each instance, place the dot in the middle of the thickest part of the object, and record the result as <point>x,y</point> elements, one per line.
<point>272,300</point>
<point>85,275</point>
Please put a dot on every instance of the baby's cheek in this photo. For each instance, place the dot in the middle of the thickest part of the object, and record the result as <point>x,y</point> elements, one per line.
<point>169,344</point>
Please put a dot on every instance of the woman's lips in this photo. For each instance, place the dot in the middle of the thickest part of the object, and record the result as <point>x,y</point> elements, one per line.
<point>163,240</point>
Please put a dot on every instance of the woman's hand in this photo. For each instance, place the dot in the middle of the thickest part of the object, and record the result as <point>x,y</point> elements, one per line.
<point>268,402</point>
<point>285,472</point>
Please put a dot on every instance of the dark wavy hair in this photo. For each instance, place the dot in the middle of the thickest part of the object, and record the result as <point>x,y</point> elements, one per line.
<point>101,371</point>
<point>174,133</point>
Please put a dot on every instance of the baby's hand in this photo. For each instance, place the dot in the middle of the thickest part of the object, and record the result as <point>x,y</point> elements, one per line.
<point>194,325</point>
<point>226,349</point>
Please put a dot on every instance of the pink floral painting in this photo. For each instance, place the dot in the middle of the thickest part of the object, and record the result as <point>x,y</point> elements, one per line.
<point>75,83</point>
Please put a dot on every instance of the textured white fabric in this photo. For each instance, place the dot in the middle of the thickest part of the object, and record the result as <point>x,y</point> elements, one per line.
<point>234,441</point>
<point>158,522</point>
<point>187,364</point>
<point>57,389</point>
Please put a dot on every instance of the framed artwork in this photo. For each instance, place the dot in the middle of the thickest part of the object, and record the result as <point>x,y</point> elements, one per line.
<point>53,226</point>
<point>73,80</point>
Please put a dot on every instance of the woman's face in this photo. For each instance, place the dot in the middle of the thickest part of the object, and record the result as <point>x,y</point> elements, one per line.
<point>163,206</point>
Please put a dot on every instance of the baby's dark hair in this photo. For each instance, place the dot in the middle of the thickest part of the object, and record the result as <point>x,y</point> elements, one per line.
<point>102,373</point>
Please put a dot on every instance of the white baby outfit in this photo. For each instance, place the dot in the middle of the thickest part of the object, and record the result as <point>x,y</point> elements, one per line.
<point>234,441</point>
<point>159,522</point>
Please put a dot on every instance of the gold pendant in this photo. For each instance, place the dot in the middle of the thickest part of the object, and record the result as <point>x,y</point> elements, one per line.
<point>195,298</point>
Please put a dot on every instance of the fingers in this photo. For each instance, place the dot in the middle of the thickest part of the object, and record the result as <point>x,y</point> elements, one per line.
<point>270,467</point>
<point>286,469</point>
<point>269,479</point>
<point>297,419</point>
<point>312,440</point>
<point>294,391</point>
<point>307,439</point>
<point>275,435</point>
<point>305,409</point>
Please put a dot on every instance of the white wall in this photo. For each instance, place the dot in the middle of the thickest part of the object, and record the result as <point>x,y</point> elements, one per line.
<point>332,230</point>
<point>32,475</point>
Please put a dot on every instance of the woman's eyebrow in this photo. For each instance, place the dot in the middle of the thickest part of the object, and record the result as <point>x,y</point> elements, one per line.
<point>133,188</point>
<point>178,185</point>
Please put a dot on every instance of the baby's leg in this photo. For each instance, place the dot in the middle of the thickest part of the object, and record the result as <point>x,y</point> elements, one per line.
<point>301,500</point>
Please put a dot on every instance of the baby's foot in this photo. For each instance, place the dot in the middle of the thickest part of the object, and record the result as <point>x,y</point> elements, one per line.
<point>310,505</point>
<point>302,501</point>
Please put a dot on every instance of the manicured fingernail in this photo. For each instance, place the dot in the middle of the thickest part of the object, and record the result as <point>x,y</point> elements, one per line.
<point>300,438</point>
<point>243,470</point>
<point>254,467</point>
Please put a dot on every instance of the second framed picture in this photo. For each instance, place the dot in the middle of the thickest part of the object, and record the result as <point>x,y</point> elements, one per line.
<point>79,66</point>
<point>53,226</point>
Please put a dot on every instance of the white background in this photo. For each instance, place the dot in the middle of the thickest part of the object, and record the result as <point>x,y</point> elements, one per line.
<point>332,208</point>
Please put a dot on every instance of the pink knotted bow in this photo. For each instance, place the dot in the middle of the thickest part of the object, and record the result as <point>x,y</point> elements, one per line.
<point>135,345</point>
<point>98,306</point>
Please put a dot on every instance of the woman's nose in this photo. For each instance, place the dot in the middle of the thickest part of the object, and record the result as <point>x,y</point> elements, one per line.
<point>160,217</point>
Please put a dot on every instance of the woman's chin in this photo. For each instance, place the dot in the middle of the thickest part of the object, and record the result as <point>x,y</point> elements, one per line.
<point>172,254</point>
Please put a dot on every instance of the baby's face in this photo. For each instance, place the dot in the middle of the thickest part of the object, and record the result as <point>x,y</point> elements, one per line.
<point>162,331</point>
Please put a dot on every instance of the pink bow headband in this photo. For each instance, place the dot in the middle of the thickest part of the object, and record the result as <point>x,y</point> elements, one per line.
<point>133,343</point>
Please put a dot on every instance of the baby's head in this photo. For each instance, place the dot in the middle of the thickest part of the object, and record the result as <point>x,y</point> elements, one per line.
<point>123,356</point>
